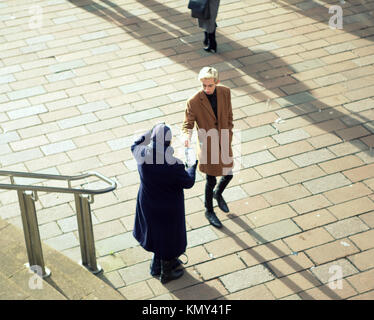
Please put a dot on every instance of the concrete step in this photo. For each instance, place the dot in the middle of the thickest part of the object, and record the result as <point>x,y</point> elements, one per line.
<point>15,293</point>
<point>22,286</point>
<point>68,280</point>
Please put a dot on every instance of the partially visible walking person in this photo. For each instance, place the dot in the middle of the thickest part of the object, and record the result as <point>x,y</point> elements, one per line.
<point>209,26</point>
<point>160,225</point>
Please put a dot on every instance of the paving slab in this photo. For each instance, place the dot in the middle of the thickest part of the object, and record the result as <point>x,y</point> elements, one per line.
<point>247,278</point>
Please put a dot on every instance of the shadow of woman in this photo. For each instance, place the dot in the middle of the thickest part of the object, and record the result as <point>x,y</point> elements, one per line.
<point>287,258</point>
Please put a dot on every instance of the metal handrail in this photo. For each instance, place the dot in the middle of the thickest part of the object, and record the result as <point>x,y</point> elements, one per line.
<point>68,179</point>
<point>27,196</point>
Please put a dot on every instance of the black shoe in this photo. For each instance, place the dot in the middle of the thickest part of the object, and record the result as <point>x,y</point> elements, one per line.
<point>212,44</point>
<point>205,42</point>
<point>156,266</point>
<point>221,202</point>
<point>212,218</point>
<point>168,273</point>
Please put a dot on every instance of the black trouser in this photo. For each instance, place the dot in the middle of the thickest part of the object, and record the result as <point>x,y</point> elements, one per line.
<point>209,187</point>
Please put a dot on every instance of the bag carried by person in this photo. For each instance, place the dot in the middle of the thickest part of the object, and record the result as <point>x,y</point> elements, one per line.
<point>199,9</point>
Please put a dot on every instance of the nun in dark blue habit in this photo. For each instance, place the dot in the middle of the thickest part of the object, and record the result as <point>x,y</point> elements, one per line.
<point>160,225</point>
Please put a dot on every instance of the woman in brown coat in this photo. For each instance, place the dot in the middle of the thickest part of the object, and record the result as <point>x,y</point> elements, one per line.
<point>211,110</point>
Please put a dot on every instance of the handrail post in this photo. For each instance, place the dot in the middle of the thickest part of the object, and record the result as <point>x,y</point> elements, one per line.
<point>31,232</point>
<point>27,195</point>
<point>86,236</point>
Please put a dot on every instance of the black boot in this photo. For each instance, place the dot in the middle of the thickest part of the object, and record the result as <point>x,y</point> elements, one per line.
<point>209,187</point>
<point>205,42</point>
<point>219,190</point>
<point>156,265</point>
<point>167,272</point>
<point>212,218</point>
<point>212,44</point>
<point>221,202</point>
<point>209,213</point>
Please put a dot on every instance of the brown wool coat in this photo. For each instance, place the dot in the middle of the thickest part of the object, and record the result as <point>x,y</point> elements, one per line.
<point>214,147</point>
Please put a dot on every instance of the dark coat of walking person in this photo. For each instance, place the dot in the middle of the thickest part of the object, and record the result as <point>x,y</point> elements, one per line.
<point>209,26</point>
<point>160,225</point>
<point>211,110</point>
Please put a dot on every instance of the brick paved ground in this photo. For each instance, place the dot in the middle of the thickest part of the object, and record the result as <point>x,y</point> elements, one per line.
<point>77,84</point>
